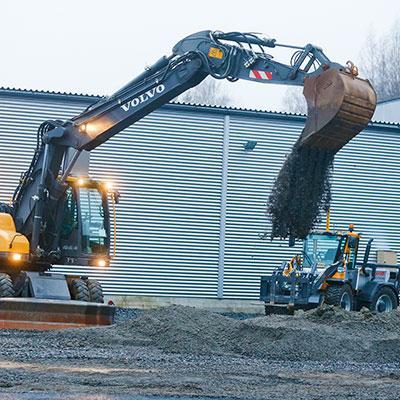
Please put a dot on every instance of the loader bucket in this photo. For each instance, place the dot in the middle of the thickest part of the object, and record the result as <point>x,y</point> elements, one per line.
<point>340,106</point>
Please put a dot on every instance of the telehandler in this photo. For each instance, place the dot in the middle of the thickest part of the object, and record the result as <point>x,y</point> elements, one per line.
<point>328,272</point>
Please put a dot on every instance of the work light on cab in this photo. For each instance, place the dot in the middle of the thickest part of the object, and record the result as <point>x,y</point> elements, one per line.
<point>108,186</point>
<point>101,263</point>
<point>16,257</point>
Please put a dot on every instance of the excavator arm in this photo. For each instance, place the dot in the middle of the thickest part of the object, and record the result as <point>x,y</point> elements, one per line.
<point>220,55</point>
<point>232,56</point>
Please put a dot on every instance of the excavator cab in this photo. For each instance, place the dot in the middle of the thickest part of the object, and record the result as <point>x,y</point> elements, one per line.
<point>85,233</point>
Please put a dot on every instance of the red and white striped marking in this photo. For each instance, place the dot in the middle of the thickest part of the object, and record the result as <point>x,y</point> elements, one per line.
<point>256,74</point>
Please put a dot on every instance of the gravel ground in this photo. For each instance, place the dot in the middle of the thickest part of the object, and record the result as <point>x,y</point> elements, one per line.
<point>182,351</point>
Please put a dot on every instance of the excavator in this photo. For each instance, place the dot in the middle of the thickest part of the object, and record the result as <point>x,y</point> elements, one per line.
<point>58,219</point>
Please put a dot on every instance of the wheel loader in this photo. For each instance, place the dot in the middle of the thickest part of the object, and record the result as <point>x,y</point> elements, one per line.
<point>328,271</point>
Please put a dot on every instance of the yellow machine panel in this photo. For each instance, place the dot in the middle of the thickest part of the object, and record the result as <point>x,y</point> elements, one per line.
<point>10,240</point>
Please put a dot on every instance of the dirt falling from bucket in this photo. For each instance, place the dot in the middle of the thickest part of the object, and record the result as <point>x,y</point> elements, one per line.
<point>301,192</point>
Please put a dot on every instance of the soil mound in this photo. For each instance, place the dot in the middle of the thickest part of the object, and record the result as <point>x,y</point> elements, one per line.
<point>326,334</point>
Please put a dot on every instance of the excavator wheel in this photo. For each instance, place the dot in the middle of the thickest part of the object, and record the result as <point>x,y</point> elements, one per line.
<point>6,286</point>
<point>79,290</point>
<point>341,296</point>
<point>95,291</point>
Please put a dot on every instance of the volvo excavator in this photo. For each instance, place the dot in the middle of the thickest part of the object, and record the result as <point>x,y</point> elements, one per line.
<point>56,219</point>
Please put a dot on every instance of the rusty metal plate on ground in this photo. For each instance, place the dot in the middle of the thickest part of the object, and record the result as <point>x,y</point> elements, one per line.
<point>35,314</point>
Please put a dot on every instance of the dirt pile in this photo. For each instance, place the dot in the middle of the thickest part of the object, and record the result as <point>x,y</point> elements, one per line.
<point>178,351</point>
<point>328,334</point>
<point>301,191</point>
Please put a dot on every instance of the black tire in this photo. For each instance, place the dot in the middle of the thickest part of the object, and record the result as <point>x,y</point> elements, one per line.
<point>384,300</point>
<point>79,290</point>
<point>341,296</point>
<point>95,291</point>
<point>6,286</point>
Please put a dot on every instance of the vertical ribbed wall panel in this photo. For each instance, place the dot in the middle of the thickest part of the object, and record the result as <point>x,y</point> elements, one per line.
<point>168,169</point>
<point>366,188</point>
<point>366,192</point>
<point>20,117</point>
<point>249,253</point>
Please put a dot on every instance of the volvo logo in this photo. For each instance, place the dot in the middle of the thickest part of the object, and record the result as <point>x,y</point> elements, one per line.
<point>143,97</point>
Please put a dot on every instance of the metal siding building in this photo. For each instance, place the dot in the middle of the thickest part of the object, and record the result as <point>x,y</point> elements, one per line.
<point>192,216</point>
<point>388,111</point>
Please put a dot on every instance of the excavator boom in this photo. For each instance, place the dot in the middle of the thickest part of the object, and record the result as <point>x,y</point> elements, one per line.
<point>335,97</point>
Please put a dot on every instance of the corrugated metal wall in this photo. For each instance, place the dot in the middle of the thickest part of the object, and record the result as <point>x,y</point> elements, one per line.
<point>169,168</point>
<point>366,192</point>
<point>251,175</point>
<point>388,111</point>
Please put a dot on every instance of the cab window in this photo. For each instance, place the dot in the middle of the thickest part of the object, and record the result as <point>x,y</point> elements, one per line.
<point>94,236</point>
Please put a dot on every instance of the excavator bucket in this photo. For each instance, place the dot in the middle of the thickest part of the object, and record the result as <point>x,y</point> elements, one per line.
<point>340,105</point>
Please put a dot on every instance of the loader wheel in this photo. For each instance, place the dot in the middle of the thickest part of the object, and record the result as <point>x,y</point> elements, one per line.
<point>79,290</point>
<point>95,291</point>
<point>6,286</point>
<point>341,296</point>
<point>384,300</point>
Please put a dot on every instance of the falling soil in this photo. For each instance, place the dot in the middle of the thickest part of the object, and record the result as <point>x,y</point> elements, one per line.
<point>301,191</point>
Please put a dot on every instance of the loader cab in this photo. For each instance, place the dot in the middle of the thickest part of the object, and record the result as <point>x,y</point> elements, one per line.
<point>326,248</point>
<point>320,249</point>
<point>85,233</point>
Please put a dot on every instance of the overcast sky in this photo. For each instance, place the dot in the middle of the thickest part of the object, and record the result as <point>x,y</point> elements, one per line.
<point>96,46</point>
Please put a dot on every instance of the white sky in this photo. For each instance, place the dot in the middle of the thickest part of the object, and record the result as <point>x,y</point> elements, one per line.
<point>96,46</point>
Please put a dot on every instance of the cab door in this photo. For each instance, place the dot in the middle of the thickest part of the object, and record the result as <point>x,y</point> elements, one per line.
<point>93,213</point>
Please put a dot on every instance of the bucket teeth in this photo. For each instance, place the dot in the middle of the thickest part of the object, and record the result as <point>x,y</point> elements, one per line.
<point>339,107</point>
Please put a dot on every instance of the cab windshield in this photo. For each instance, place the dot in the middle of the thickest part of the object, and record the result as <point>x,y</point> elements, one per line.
<point>320,249</point>
<point>94,234</point>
